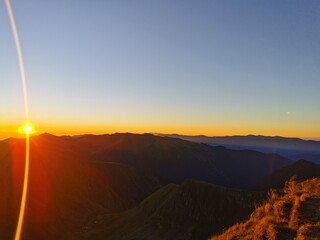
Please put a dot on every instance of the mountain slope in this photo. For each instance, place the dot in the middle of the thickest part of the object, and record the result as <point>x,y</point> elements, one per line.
<point>301,169</point>
<point>186,211</point>
<point>73,179</point>
<point>177,160</point>
<point>293,214</point>
<point>65,188</point>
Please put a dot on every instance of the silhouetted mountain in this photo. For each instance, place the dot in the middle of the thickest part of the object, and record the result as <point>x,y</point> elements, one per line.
<point>301,169</point>
<point>187,211</point>
<point>288,147</point>
<point>310,157</point>
<point>65,188</point>
<point>74,179</point>
<point>177,160</point>
<point>291,215</point>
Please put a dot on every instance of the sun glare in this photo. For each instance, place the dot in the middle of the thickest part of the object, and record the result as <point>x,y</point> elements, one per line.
<point>27,129</point>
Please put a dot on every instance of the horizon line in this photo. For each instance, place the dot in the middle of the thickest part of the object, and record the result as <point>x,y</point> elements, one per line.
<point>317,139</point>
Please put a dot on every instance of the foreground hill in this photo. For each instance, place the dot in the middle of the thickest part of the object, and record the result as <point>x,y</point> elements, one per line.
<point>293,214</point>
<point>187,211</point>
<point>301,169</point>
<point>65,188</point>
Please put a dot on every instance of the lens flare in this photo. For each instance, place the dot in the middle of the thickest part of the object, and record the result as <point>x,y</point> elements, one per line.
<point>27,128</point>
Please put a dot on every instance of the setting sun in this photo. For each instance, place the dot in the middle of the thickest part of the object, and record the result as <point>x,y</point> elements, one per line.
<point>27,129</point>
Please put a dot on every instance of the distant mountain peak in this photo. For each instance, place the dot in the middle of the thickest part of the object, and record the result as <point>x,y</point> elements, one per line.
<point>304,162</point>
<point>46,135</point>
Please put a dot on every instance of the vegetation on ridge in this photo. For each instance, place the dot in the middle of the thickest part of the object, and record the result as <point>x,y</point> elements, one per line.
<point>291,214</point>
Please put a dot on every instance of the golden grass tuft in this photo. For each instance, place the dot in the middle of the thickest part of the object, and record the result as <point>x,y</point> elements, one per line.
<point>294,216</point>
<point>282,211</point>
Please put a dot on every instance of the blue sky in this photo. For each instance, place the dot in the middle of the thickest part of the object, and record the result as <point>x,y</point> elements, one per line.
<point>191,67</point>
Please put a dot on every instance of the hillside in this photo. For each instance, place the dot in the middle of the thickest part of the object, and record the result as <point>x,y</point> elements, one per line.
<point>65,188</point>
<point>293,214</point>
<point>177,160</point>
<point>170,158</point>
<point>186,212</point>
<point>301,169</point>
<point>74,179</point>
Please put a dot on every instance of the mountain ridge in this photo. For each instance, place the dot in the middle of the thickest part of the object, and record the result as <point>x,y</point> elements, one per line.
<point>119,177</point>
<point>176,159</point>
<point>171,158</point>
<point>293,148</point>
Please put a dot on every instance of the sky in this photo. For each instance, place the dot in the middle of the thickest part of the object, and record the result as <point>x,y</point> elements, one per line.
<point>188,67</point>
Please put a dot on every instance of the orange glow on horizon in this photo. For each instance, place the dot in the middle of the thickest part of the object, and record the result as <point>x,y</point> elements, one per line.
<point>211,132</point>
<point>58,128</point>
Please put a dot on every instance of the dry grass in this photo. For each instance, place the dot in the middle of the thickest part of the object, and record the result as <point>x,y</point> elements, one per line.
<point>282,211</point>
<point>303,231</point>
<point>294,215</point>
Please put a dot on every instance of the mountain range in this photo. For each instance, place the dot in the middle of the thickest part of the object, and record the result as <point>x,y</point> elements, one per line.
<point>174,159</point>
<point>293,148</point>
<point>131,186</point>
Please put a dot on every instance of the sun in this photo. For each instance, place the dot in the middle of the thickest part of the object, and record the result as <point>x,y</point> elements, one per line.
<point>26,129</point>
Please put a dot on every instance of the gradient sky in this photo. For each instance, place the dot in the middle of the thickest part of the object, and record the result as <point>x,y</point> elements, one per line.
<point>188,67</point>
